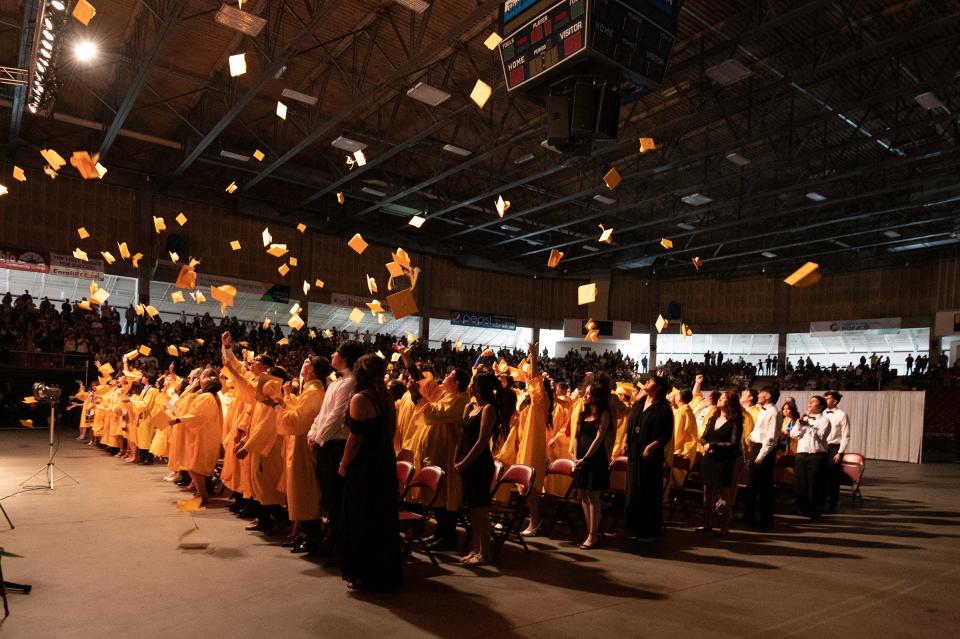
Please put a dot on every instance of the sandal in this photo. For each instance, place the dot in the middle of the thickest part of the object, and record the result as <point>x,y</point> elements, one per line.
<point>476,560</point>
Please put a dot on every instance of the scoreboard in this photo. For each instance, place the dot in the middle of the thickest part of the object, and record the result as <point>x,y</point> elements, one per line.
<point>556,35</point>
<point>628,38</point>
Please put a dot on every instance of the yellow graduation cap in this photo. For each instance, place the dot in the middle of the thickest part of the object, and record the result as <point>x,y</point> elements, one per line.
<point>174,257</point>
<point>417,221</point>
<point>189,505</point>
<point>93,287</point>
<point>295,308</point>
<point>340,197</point>
<point>402,303</point>
<point>27,423</point>
<point>381,355</point>
<point>80,255</point>
<point>685,330</point>
<point>394,269</point>
<point>187,277</point>
<point>612,178</point>
<point>277,250</point>
<point>502,205</point>
<point>587,294</point>
<point>381,319</point>
<point>159,225</point>
<point>401,258</point>
<point>200,341</point>
<point>301,227</point>
<point>139,310</point>
<point>312,334</point>
<point>266,323</point>
<point>100,296</point>
<point>375,307</point>
<point>177,297</point>
<point>231,188</point>
<point>356,315</point>
<point>665,243</point>
<point>481,93</point>
<point>371,285</point>
<point>83,233</point>
<point>235,245</point>
<point>51,173</point>
<point>357,244</point>
<point>108,257</point>
<point>134,354</point>
<point>181,218</point>
<point>281,110</point>
<point>152,311</point>
<point>590,325</point>
<point>492,41</point>
<point>144,350</point>
<point>85,305</point>
<point>29,400</point>
<point>19,175</point>
<point>318,283</point>
<point>223,294</point>
<point>555,257</point>
<point>662,323</point>
<point>135,259</point>
<point>606,235</point>
<point>283,270</point>
<point>306,287</point>
<point>592,336</point>
<point>647,144</point>
<point>238,64</point>
<point>124,251</point>
<point>84,12</point>
<point>295,322</point>
<point>328,333</point>
<point>258,155</point>
<point>54,159</point>
<point>173,351</point>
<point>806,275</point>
<point>458,345</point>
<point>3,190</point>
<point>697,263</point>
<point>283,341</point>
<point>267,238</point>
<point>293,261</point>
<point>106,370</point>
<point>86,165</point>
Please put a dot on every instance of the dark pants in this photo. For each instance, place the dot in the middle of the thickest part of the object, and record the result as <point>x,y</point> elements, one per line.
<point>811,482</point>
<point>331,483</point>
<point>643,512</point>
<point>835,472</point>
<point>446,524</point>
<point>758,497</point>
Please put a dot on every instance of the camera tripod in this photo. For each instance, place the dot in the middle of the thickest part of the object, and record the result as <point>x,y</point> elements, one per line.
<point>51,466</point>
<point>9,585</point>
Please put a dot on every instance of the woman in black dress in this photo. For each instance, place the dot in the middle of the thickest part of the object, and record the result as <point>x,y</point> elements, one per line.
<point>592,474</point>
<point>721,446</point>
<point>370,538</point>
<point>475,463</point>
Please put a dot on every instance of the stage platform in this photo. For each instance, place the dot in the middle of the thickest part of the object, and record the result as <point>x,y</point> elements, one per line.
<point>104,560</point>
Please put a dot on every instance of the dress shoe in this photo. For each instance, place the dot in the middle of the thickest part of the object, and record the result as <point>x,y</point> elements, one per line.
<point>260,525</point>
<point>303,546</point>
<point>247,512</point>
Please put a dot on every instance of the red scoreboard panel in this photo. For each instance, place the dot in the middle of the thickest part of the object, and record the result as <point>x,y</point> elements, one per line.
<point>548,39</point>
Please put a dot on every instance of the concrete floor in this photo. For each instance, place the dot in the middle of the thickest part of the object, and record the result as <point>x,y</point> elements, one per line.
<point>103,559</point>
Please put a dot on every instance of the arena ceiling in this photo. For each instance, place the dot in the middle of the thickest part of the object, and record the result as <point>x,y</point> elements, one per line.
<point>813,130</point>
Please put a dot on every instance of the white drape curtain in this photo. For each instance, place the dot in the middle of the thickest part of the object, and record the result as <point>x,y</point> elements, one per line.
<point>884,425</point>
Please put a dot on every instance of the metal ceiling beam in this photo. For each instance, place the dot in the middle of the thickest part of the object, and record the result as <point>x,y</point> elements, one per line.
<point>23,61</point>
<point>279,61</point>
<point>166,26</point>
<point>422,58</point>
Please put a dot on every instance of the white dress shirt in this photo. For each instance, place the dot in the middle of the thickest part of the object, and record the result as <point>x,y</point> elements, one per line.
<point>811,433</point>
<point>331,422</point>
<point>840,428</point>
<point>765,430</point>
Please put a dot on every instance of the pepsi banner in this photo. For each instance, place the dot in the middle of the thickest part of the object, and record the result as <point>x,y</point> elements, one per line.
<point>483,320</point>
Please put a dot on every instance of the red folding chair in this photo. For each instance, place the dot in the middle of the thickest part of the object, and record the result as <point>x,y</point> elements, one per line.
<point>506,517</point>
<point>404,475</point>
<point>554,507</point>
<point>413,522</point>
<point>852,465</point>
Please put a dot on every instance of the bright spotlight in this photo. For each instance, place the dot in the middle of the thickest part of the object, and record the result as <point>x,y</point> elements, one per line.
<point>85,51</point>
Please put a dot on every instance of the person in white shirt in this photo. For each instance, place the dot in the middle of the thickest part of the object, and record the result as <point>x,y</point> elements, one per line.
<point>328,437</point>
<point>837,445</point>
<point>811,433</point>
<point>761,458</point>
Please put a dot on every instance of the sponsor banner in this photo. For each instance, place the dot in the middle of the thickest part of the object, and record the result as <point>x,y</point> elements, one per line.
<point>882,326</point>
<point>205,281</point>
<point>351,301</point>
<point>69,266</point>
<point>20,260</point>
<point>483,320</point>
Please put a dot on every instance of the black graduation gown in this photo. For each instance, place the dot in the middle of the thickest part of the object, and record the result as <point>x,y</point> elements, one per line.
<point>644,505</point>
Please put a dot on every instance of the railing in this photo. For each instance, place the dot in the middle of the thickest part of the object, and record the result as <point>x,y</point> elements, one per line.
<point>62,361</point>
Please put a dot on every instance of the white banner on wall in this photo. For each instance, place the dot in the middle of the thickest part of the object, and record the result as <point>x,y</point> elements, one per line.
<point>882,326</point>
<point>69,266</point>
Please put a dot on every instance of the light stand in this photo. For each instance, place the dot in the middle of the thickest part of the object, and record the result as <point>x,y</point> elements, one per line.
<point>51,466</point>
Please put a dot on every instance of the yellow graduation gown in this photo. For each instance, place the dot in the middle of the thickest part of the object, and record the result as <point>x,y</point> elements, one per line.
<point>558,444</point>
<point>532,431</point>
<point>149,406</point>
<point>300,467</point>
<point>620,412</point>
<point>201,434</point>
<point>511,444</point>
<point>437,443</point>
<point>686,440</point>
<point>408,422</point>
<point>176,439</point>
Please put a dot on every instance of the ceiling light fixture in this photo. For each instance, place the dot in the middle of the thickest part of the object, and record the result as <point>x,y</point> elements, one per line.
<point>816,197</point>
<point>423,92</point>
<point>456,150</point>
<point>348,145</point>
<point>696,199</point>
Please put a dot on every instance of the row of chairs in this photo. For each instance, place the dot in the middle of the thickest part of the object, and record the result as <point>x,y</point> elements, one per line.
<point>507,514</point>
<point>508,509</point>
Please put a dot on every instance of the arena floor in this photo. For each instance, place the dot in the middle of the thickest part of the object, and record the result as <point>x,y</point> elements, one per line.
<point>104,560</point>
